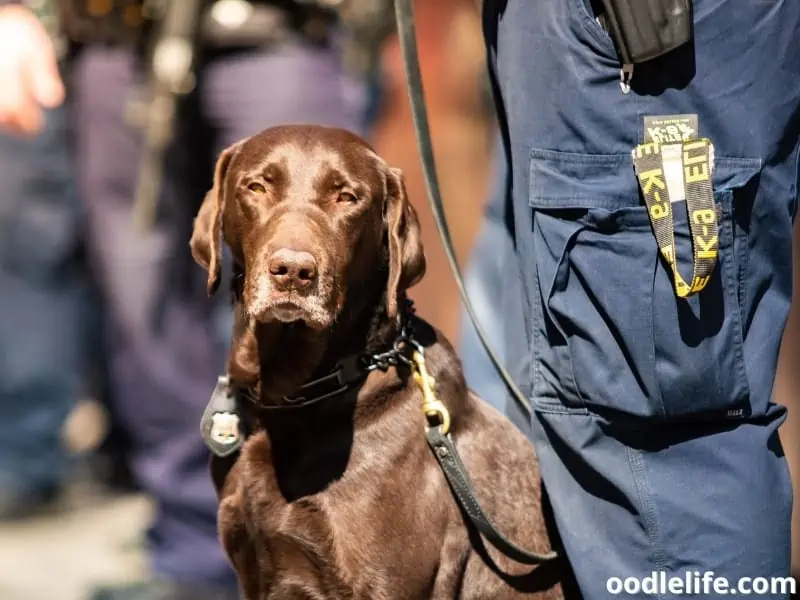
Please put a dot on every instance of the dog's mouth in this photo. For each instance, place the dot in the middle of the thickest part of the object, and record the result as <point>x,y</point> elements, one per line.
<point>267,302</point>
<point>293,312</point>
<point>288,312</point>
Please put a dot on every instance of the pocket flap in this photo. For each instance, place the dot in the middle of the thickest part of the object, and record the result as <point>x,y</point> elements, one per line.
<point>562,180</point>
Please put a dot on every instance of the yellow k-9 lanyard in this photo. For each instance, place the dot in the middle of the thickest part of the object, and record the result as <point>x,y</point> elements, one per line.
<point>654,164</point>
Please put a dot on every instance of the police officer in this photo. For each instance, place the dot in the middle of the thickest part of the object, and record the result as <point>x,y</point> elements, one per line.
<point>165,353</point>
<point>652,413</point>
<point>43,310</point>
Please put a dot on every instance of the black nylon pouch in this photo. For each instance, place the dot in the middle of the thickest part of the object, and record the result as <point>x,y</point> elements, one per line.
<point>646,29</point>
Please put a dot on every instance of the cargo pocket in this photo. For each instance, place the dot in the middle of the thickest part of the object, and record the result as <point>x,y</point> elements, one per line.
<point>609,331</point>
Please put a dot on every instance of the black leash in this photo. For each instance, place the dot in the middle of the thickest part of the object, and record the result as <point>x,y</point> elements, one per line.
<point>449,460</point>
<point>437,432</point>
<point>404,14</point>
<point>438,439</point>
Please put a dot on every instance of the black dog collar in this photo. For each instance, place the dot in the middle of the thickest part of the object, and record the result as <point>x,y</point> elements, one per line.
<point>221,425</point>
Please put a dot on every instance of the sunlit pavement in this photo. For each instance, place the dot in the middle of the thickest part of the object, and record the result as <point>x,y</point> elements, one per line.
<point>90,539</point>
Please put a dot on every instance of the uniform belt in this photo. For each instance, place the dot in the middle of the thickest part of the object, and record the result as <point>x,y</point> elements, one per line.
<point>239,23</point>
<point>226,23</point>
<point>116,22</point>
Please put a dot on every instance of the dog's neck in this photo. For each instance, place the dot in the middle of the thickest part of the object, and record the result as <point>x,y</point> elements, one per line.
<point>307,453</point>
<point>276,360</point>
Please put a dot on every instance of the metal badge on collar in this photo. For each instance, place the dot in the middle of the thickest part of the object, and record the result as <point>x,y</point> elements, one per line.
<point>225,428</point>
<point>221,426</point>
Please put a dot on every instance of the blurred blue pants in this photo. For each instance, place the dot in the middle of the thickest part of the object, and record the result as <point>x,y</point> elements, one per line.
<point>163,331</point>
<point>43,304</point>
<point>653,416</point>
<point>492,281</point>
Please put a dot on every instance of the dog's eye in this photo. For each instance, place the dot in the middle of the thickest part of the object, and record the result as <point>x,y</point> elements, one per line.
<point>257,188</point>
<point>347,197</point>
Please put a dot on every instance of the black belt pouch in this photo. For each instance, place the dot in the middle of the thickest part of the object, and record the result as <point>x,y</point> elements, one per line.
<point>646,29</point>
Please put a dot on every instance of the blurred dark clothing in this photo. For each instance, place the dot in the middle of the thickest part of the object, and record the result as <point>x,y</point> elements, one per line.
<point>43,305</point>
<point>494,287</point>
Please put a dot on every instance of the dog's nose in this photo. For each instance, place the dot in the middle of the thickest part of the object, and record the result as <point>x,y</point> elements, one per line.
<point>291,269</point>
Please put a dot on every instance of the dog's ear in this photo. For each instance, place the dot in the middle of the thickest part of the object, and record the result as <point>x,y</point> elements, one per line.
<point>406,255</point>
<point>206,242</point>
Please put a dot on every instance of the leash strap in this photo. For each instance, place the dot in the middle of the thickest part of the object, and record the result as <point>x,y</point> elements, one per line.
<point>404,14</point>
<point>694,162</point>
<point>446,454</point>
<point>437,433</point>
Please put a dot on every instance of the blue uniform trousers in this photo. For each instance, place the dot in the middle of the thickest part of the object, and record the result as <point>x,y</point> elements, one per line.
<point>653,415</point>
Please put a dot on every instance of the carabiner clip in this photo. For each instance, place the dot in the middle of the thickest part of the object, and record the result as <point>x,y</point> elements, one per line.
<point>432,407</point>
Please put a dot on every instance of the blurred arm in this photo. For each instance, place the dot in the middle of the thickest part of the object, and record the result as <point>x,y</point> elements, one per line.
<point>28,70</point>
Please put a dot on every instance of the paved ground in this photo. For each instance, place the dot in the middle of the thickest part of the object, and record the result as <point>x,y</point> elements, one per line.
<point>94,539</point>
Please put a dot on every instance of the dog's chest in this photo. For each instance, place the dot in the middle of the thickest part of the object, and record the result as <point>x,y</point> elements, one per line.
<point>354,538</point>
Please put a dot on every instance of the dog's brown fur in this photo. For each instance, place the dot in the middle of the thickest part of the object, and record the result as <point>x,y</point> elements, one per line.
<point>344,499</point>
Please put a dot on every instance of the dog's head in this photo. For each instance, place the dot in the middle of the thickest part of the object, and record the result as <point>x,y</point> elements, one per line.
<point>313,217</point>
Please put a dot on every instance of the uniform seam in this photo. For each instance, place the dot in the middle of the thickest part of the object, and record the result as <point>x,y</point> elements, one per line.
<point>648,509</point>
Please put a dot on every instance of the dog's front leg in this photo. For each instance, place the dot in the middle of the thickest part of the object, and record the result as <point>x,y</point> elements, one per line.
<point>234,536</point>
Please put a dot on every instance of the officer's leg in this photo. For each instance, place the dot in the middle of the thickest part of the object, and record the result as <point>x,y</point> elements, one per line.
<point>683,501</point>
<point>163,357</point>
<point>42,304</point>
<point>483,280</point>
<point>654,425</point>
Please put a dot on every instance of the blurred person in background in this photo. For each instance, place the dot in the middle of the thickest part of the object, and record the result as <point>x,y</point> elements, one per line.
<point>43,310</point>
<point>165,351</point>
<point>492,283</point>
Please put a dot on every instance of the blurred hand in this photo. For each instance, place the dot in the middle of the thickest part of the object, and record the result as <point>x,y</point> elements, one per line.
<point>29,77</point>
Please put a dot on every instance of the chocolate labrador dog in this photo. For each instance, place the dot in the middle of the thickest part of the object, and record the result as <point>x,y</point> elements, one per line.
<point>333,492</point>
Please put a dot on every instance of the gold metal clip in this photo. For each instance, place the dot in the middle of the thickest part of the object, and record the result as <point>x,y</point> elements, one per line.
<point>431,405</point>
